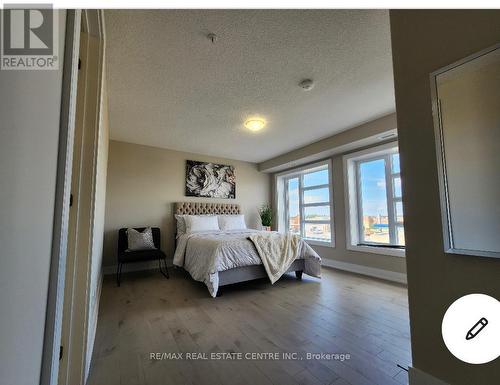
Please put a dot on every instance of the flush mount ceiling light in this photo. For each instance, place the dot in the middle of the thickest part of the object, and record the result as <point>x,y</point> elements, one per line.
<point>255,124</point>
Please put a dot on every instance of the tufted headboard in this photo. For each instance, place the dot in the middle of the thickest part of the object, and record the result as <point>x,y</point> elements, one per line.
<point>198,208</point>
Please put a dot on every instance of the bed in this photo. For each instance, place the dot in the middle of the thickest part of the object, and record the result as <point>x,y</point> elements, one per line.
<point>223,257</point>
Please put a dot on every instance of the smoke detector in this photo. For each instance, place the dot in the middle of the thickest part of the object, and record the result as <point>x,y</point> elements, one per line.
<point>306,84</point>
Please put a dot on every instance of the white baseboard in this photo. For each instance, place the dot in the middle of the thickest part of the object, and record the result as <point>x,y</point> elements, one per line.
<point>137,266</point>
<point>419,377</point>
<point>365,270</point>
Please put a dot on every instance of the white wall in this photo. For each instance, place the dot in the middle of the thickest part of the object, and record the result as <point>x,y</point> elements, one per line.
<point>30,103</point>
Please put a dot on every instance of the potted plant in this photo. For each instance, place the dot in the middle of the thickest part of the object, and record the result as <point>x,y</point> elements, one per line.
<point>266,217</point>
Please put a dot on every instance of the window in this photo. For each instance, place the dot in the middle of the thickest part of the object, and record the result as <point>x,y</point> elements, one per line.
<point>304,203</point>
<point>373,194</point>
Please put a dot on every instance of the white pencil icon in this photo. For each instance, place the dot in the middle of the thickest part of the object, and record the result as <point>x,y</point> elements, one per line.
<point>476,329</point>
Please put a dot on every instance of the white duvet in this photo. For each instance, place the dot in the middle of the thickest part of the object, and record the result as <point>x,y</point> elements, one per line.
<point>204,254</point>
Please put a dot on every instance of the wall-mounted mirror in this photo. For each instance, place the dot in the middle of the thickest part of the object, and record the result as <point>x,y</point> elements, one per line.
<point>466,108</point>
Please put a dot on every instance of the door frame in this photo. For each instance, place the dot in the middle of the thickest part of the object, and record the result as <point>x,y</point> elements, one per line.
<point>69,289</point>
<point>55,295</point>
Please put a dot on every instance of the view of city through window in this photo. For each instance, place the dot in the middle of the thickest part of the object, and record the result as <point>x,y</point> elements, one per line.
<point>380,208</point>
<point>380,202</point>
<point>308,195</point>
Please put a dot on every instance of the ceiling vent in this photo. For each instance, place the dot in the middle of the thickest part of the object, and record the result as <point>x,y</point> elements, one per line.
<point>387,136</point>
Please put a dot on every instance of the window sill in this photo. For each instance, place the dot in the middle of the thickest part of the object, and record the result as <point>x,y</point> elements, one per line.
<point>378,250</point>
<point>312,242</point>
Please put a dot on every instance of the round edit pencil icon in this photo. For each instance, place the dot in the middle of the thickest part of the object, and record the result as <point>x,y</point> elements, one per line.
<point>471,328</point>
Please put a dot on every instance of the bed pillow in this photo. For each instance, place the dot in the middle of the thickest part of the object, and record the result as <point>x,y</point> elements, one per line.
<point>138,240</point>
<point>232,222</point>
<point>201,223</point>
<point>181,224</point>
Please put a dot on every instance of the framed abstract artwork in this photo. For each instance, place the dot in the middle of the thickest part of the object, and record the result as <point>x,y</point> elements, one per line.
<point>210,180</point>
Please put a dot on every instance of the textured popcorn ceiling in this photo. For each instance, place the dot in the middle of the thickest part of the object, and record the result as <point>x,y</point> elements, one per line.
<point>170,87</point>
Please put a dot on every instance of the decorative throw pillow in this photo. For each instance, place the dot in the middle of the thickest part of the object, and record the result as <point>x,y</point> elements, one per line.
<point>140,240</point>
<point>201,223</point>
<point>232,222</point>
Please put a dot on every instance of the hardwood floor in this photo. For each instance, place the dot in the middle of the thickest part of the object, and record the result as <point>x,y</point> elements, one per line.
<point>341,313</point>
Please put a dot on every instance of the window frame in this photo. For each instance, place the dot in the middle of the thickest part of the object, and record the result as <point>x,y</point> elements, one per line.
<point>353,200</point>
<point>282,179</point>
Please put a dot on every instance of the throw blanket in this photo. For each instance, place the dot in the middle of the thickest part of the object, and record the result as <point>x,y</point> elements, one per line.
<point>277,251</point>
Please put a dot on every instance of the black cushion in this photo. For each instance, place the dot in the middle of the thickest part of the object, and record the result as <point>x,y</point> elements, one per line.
<point>140,255</point>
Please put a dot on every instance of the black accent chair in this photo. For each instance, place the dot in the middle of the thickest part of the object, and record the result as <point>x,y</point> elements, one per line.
<point>140,255</point>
